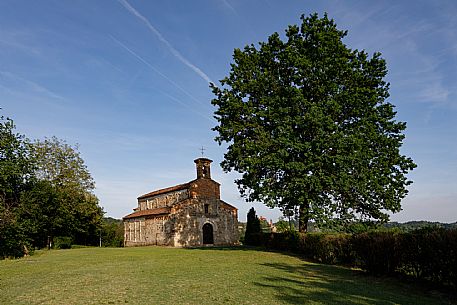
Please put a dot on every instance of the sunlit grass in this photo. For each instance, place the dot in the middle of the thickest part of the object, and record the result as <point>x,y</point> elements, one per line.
<point>154,275</point>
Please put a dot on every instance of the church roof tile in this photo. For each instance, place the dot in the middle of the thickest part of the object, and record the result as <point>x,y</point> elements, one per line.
<point>142,213</point>
<point>166,190</point>
<point>228,206</point>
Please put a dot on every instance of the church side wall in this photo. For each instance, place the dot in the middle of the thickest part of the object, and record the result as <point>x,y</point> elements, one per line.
<point>148,231</point>
<point>162,201</point>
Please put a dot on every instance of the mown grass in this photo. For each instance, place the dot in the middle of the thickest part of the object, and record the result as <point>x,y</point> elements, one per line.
<point>154,275</point>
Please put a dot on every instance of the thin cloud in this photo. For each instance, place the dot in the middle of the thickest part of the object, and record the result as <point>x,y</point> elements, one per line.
<point>435,93</point>
<point>187,106</point>
<point>19,40</point>
<point>155,69</point>
<point>247,24</point>
<point>416,73</point>
<point>172,50</point>
<point>30,85</point>
<point>425,80</point>
<point>229,6</point>
<point>167,78</point>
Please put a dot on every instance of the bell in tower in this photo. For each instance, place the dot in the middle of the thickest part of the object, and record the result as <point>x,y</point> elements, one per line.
<point>203,168</point>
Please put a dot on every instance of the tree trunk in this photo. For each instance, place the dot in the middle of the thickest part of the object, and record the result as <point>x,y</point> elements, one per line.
<point>303,218</point>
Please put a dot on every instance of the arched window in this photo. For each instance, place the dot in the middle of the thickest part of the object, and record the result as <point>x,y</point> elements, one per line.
<point>204,171</point>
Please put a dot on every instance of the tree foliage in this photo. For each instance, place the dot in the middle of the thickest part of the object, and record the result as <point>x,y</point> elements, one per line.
<point>61,164</point>
<point>16,166</point>
<point>283,226</point>
<point>16,171</point>
<point>112,232</point>
<point>308,127</point>
<point>41,213</point>
<point>45,192</point>
<point>69,208</point>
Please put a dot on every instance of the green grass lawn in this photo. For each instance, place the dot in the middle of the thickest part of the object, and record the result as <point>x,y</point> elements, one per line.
<point>154,275</point>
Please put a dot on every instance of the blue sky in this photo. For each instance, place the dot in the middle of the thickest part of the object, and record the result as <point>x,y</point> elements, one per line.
<point>128,81</point>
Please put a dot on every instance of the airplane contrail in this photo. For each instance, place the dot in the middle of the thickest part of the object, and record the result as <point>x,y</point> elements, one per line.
<point>155,69</point>
<point>229,6</point>
<point>173,51</point>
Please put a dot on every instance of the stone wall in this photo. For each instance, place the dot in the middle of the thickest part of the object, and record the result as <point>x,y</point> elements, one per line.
<point>204,188</point>
<point>189,222</point>
<point>148,231</point>
<point>163,200</point>
<point>183,226</point>
<point>191,209</point>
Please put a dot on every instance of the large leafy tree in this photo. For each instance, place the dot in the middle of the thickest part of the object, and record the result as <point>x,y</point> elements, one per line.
<point>16,166</point>
<point>16,173</point>
<point>61,164</point>
<point>64,194</point>
<point>309,128</point>
<point>41,213</point>
<point>45,191</point>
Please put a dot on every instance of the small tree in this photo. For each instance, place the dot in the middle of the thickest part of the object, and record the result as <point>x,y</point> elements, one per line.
<point>253,229</point>
<point>283,226</point>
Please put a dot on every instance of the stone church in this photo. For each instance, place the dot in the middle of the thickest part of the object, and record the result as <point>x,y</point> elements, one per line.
<point>189,214</point>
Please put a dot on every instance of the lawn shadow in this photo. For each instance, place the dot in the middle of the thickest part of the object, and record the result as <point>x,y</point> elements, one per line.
<point>227,248</point>
<point>328,284</point>
<point>310,282</point>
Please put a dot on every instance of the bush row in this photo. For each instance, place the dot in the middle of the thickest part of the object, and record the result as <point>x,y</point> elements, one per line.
<point>429,254</point>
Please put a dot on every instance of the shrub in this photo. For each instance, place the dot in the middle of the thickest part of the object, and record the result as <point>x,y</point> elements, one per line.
<point>257,239</point>
<point>63,242</point>
<point>328,248</point>
<point>13,242</point>
<point>112,233</point>
<point>428,254</point>
<point>377,252</point>
<point>286,241</point>
<point>321,247</point>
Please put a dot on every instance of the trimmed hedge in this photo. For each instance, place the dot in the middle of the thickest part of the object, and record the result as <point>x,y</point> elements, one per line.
<point>428,254</point>
<point>431,254</point>
<point>328,248</point>
<point>378,253</point>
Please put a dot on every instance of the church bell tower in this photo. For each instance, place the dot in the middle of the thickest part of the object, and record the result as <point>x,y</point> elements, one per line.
<point>203,168</point>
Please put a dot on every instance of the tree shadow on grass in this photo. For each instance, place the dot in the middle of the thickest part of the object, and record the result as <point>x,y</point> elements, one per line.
<point>227,248</point>
<point>324,284</point>
<point>328,284</point>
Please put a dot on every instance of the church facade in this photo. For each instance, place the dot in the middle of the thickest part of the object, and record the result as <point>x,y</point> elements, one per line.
<point>185,215</point>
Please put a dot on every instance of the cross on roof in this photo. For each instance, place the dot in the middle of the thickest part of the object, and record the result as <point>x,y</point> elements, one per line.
<point>202,149</point>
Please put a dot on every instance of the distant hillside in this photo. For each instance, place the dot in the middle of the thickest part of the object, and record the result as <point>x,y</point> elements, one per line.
<point>414,225</point>
<point>112,233</point>
<point>405,226</point>
<point>110,220</point>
